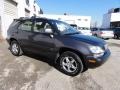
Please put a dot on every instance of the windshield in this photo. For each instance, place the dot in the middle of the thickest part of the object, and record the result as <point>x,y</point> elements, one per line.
<point>65,28</point>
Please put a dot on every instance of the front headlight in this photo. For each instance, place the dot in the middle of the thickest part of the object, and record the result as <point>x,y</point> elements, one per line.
<point>97,51</point>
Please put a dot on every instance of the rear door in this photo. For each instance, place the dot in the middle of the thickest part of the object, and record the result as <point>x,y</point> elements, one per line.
<point>24,34</point>
<point>107,32</point>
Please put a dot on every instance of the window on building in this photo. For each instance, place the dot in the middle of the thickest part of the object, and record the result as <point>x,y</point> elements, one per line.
<point>34,1</point>
<point>27,2</point>
<point>117,10</point>
<point>114,24</point>
<point>34,8</point>
<point>27,25</point>
<point>41,11</point>
<point>27,13</point>
<point>79,19</point>
<point>86,19</point>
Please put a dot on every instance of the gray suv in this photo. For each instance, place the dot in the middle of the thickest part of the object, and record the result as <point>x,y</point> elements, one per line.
<point>65,46</point>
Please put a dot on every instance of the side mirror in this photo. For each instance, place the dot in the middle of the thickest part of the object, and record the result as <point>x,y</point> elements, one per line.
<point>48,31</point>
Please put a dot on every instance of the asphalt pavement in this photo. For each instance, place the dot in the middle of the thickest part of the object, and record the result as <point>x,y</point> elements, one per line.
<point>29,72</point>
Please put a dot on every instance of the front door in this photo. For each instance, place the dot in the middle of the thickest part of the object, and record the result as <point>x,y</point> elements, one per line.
<point>43,42</point>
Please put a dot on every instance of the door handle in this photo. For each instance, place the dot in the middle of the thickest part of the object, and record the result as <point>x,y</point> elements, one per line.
<point>16,32</point>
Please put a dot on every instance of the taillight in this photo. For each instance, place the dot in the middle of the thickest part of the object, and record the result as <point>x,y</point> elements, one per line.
<point>101,32</point>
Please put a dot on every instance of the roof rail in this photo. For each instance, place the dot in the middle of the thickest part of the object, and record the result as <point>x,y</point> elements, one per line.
<point>32,17</point>
<point>23,18</point>
<point>35,17</point>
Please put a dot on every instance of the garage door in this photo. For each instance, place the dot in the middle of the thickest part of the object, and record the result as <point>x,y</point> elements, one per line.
<point>10,13</point>
<point>10,8</point>
<point>0,25</point>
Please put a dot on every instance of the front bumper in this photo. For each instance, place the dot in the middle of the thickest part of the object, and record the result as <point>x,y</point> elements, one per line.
<point>92,62</point>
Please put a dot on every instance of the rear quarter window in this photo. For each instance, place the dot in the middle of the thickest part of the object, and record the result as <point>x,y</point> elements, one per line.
<point>14,23</point>
<point>26,25</point>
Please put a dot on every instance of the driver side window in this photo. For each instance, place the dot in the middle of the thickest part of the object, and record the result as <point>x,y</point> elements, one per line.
<point>40,26</point>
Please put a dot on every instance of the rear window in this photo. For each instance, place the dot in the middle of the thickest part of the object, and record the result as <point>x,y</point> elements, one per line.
<point>14,23</point>
<point>118,29</point>
<point>105,29</point>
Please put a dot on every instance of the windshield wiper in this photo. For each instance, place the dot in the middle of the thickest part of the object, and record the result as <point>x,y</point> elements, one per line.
<point>72,33</point>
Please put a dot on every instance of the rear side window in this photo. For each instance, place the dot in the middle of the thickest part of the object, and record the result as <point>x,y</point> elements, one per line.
<point>106,29</point>
<point>27,25</point>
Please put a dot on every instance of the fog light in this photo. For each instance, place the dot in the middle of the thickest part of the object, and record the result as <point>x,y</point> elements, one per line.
<point>92,61</point>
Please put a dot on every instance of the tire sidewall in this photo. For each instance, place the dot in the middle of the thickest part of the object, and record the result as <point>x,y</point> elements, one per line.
<point>115,36</point>
<point>76,58</point>
<point>15,42</point>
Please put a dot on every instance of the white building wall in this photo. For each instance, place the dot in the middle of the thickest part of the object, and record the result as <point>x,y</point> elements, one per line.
<point>110,17</point>
<point>2,15</point>
<point>7,18</point>
<point>21,8</point>
<point>21,5</point>
<point>106,20</point>
<point>81,21</point>
<point>1,11</point>
<point>115,17</point>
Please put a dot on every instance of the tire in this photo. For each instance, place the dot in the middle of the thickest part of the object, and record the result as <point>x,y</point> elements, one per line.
<point>106,38</point>
<point>95,35</point>
<point>116,37</point>
<point>15,48</point>
<point>70,63</point>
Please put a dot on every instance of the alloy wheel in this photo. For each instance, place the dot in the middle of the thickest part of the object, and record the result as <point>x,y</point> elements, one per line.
<point>69,64</point>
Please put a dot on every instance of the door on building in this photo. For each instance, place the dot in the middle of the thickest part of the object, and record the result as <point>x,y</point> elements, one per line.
<point>10,13</point>
<point>10,8</point>
<point>0,27</point>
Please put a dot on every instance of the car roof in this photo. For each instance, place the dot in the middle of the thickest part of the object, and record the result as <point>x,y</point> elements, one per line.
<point>30,18</point>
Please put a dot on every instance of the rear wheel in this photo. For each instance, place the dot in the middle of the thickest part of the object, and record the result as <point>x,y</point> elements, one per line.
<point>70,63</point>
<point>116,37</point>
<point>95,35</point>
<point>15,48</point>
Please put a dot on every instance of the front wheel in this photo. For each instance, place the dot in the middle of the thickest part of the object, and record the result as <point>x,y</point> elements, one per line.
<point>70,63</point>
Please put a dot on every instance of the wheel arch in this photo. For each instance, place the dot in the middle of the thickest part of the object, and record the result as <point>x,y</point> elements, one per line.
<point>64,49</point>
<point>12,39</point>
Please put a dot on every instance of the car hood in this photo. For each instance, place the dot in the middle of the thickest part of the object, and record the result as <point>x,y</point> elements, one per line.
<point>87,39</point>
